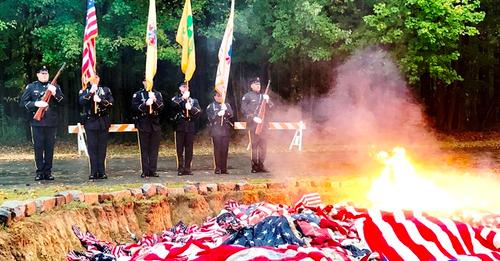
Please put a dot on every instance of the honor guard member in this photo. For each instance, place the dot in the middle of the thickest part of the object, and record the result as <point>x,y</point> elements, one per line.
<point>220,127</point>
<point>186,110</point>
<point>44,131</point>
<point>148,105</point>
<point>250,106</point>
<point>96,103</point>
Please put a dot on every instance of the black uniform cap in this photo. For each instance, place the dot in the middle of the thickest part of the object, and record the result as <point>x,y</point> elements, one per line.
<point>43,69</point>
<point>253,80</point>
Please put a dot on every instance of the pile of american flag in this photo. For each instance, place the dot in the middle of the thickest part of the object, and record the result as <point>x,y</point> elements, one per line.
<point>308,230</point>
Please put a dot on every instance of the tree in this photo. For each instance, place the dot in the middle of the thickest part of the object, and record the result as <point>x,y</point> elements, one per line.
<point>425,35</point>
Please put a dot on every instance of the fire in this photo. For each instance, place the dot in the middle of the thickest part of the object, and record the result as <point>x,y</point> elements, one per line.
<point>401,186</point>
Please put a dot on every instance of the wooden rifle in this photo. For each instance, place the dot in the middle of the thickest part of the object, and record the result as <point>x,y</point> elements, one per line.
<point>46,97</point>
<point>262,111</point>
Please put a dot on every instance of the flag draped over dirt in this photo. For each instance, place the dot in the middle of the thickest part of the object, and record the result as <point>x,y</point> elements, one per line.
<point>310,230</point>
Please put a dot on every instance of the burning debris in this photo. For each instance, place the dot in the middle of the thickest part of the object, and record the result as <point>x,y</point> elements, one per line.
<point>401,185</point>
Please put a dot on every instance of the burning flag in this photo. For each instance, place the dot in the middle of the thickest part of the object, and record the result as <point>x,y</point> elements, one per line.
<point>338,232</point>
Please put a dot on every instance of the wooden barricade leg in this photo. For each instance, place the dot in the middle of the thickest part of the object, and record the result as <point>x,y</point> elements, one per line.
<point>82,146</point>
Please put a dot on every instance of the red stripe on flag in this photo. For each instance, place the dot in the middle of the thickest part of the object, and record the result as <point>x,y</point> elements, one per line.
<point>88,54</point>
<point>405,238</point>
<point>430,236</point>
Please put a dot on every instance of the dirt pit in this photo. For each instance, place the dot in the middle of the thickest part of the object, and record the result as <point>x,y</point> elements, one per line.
<point>49,236</point>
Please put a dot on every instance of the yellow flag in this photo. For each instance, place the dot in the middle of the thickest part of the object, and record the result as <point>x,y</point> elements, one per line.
<point>185,37</point>
<point>151,41</point>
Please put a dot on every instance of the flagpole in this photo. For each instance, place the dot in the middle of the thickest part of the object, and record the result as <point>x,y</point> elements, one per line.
<point>225,53</point>
<point>187,89</point>
<point>222,117</point>
<point>151,52</point>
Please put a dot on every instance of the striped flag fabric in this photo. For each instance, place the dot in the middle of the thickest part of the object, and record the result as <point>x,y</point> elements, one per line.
<point>151,42</point>
<point>338,232</point>
<point>309,200</point>
<point>89,51</point>
<point>409,235</point>
<point>185,37</point>
<point>225,53</point>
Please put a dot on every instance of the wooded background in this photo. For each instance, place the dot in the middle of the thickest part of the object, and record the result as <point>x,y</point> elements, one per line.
<point>448,50</point>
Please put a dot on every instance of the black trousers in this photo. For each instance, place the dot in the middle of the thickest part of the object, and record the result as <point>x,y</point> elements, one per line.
<point>184,147</point>
<point>259,147</point>
<point>44,139</point>
<point>150,144</point>
<point>221,148</point>
<point>97,143</point>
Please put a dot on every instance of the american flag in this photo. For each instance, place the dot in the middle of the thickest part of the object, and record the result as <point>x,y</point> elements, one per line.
<point>309,200</point>
<point>89,52</point>
<point>338,232</point>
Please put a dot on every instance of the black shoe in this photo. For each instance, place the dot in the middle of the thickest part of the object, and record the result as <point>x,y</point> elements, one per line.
<point>255,167</point>
<point>187,172</point>
<point>143,175</point>
<point>103,176</point>
<point>217,171</point>
<point>48,176</point>
<point>224,172</point>
<point>38,177</point>
<point>262,168</point>
<point>92,176</point>
<point>154,174</point>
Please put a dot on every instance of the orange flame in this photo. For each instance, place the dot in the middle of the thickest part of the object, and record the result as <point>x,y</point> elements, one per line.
<point>400,186</point>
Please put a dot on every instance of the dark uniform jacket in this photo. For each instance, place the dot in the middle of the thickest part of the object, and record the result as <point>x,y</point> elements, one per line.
<point>96,119</point>
<point>250,106</point>
<point>33,93</point>
<point>185,121</point>
<point>214,120</point>
<point>146,120</point>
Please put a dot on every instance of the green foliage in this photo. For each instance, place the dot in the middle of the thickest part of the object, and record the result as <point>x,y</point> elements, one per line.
<point>425,35</point>
<point>296,41</point>
<point>11,130</point>
<point>289,30</point>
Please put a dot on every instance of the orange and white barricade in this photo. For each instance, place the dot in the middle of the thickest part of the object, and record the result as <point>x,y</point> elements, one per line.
<point>80,130</point>
<point>299,128</point>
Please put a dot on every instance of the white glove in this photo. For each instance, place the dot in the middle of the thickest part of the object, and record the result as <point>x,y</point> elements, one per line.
<point>52,89</point>
<point>185,95</point>
<point>223,107</point>
<point>94,88</point>
<point>188,106</point>
<point>257,119</point>
<point>149,101</point>
<point>266,97</point>
<point>97,98</point>
<point>41,104</point>
<point>221,113</point>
